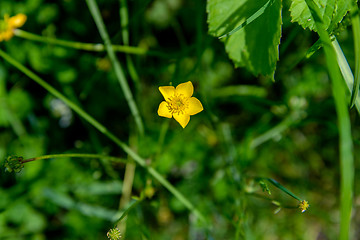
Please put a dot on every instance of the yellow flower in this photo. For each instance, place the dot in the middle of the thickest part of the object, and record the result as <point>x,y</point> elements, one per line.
<point>179,103</point>
<point>8,25</point>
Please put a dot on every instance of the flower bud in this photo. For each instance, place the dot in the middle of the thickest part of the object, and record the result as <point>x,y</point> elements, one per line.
<point>14,163</point>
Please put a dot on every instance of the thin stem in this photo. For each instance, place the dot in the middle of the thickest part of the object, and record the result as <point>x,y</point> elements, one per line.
<point>130,167</point>
<point>127,183</point>
<point>139,160</point>
<point>124,22</point>
<point>282,188</point>
<point>75,155</point>
<point>97,47</point>
<point>94,47</point>
<point>273,201</point>
<point>126,191</point>
<point>345,138</point>
<point>95,12</point>
<point>126,212</point>
<point>176,193</point>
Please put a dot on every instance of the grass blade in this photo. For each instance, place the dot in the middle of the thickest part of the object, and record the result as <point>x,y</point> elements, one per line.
<point>94,47</point>
<point>355,20</point>
<point>95,12</point>
<point>282,188</point>
<point>346,71</point>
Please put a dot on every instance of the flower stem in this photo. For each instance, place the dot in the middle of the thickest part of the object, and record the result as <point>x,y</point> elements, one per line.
<point>139,160</point>
<point>130,166</point>
<point>98,47</point>
<point>75,155</point>
<point>344,125</point>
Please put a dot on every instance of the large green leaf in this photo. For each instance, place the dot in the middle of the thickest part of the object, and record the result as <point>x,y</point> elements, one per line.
<point>332,12</point>
<point>255,45</point>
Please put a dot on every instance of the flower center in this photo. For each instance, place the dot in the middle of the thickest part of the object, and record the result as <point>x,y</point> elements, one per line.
<point>177,104</point>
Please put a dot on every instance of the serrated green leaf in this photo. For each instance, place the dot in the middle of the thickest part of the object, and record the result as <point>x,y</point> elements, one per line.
<point>341,8</point>
<point>255,46</point>
<point>332,12</point>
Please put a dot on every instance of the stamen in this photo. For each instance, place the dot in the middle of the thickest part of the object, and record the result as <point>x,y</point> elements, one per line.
<point>177,104</point>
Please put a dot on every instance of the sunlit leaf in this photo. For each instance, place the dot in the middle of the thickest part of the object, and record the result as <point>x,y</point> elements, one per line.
<point>255,46</point>
<point>332,12</point>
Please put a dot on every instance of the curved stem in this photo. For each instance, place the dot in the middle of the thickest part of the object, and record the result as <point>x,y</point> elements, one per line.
<point>75,155</point>
<point>97,47</point>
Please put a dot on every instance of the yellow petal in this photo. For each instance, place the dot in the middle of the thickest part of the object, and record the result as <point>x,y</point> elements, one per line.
<point>183,119</point>
<point>195,106</point>
<point>187,89</point>
<point>17,21</point>
<point>167,91</point>
<point>8,34</point>
<point>163,111</point>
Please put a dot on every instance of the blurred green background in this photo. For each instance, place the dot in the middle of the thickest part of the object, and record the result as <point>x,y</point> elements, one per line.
<point>250,127</point>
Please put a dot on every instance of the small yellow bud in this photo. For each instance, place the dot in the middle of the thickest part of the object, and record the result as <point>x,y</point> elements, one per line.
<point>304,205</point>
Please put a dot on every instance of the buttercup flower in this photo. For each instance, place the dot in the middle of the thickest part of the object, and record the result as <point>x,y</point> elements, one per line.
<point>179,103</point>
<point>8,25</point>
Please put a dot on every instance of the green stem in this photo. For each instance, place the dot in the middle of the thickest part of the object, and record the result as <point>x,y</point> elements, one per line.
<point>124,22</point>
<point>282,188</point>
<point>126,212</point>
<point>345,71</point>
<point>95,12</point>
<point>98,47</point>
<point>103,130</point>
<point>94,47</point>
<point>75,155</point>
<point>345,138</point>
<point>176,193</point>
<point>355,20</point>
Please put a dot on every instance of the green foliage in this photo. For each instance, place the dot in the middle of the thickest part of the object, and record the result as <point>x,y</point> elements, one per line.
<point>300,13</point>
<point>211,180</point>
<point>331,12</point>
<point>257,51</point>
